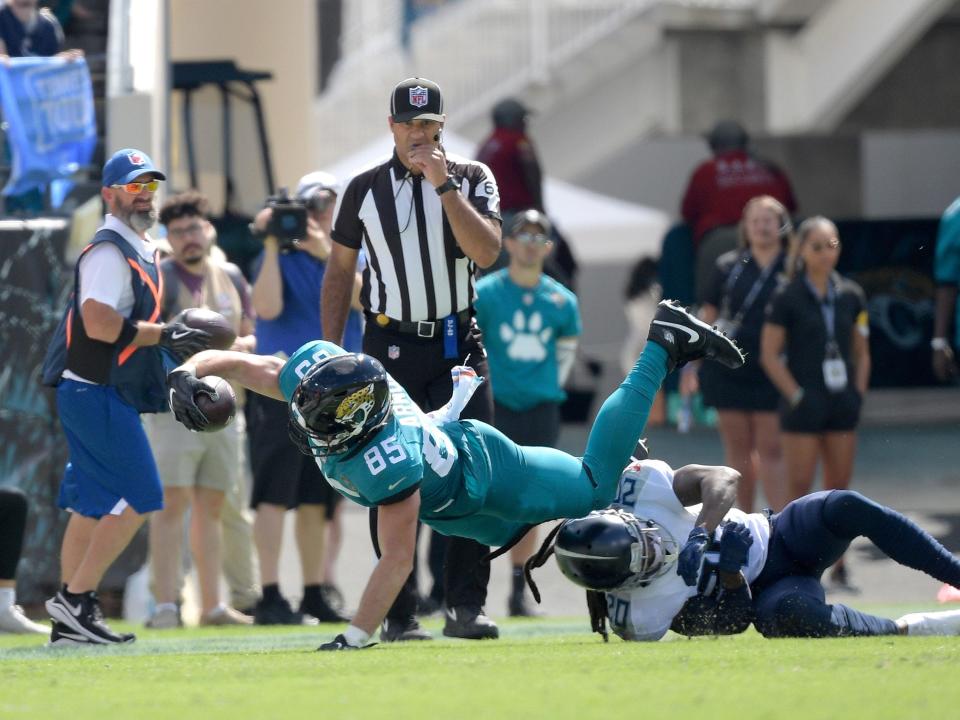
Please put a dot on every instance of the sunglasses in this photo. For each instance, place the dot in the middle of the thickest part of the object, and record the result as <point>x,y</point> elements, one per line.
<point>820,247</point>
<point>191,229</point>
<point>531,238</point>
<point>135,188</point>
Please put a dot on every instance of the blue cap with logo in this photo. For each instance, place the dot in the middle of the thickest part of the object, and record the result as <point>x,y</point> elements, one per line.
<point>127,165</point>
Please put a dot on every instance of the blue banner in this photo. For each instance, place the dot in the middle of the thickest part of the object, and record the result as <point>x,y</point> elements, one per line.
<point>47,104</point>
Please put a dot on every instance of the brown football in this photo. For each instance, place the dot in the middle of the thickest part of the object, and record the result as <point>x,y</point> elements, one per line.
<point>213,322</point>
<point>220,411</point>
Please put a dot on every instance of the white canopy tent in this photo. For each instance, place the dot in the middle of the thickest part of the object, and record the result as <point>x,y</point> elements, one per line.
<point>599,228</point>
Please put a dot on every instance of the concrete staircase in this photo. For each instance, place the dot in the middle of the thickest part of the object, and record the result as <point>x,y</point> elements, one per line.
<point>510,48</point>
<point>602,74</point>
<point>817,75</point>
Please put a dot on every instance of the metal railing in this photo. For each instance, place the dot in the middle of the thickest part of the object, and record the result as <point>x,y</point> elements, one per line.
<point>483,49</point>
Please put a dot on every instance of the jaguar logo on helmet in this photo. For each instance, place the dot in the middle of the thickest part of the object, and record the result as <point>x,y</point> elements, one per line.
<point>419,96</point>
<point>361,401</point>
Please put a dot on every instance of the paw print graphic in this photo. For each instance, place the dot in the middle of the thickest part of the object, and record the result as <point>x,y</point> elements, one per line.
<point>526,340</point>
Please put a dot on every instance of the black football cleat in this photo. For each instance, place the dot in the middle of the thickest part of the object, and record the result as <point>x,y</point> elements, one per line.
<point>686,338</point>
<point>469,623</point>
<point>403,631</point>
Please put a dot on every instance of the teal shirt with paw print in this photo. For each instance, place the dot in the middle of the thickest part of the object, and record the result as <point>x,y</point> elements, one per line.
<point>520,330</point>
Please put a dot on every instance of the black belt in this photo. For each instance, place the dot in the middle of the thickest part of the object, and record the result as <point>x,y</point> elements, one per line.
<point>421,328</point>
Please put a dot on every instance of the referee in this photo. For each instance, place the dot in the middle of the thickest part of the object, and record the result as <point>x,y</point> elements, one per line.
<point>426,222</point>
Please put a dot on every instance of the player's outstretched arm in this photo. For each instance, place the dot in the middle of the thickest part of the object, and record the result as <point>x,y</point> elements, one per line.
<point>397,536</point>
<point>713,485</point>
<point>260,373</point>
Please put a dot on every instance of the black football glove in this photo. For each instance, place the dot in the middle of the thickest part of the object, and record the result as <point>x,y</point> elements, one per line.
<point>691,555</point>
<point>734,547</point>
<point>183,341</point>
<point>183,386</point>
<point>340,643</point>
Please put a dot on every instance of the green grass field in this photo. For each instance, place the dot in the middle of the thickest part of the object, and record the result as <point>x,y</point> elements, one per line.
<point>538,669</point>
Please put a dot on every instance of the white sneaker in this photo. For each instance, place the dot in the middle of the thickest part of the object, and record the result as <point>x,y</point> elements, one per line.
<point>12,620</point>
<point>165,618</point>
<point>932,623</point>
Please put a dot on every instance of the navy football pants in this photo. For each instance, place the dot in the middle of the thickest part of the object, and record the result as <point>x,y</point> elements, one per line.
<point>810,535</point>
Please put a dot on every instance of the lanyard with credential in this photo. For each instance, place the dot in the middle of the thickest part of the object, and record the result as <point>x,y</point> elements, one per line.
<point>834,368</point>
<point>754,291</point>
<point>828,308</point>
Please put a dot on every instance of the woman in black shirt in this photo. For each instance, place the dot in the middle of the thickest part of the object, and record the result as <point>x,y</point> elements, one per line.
<point>746,401</point>
<point>815,349</point>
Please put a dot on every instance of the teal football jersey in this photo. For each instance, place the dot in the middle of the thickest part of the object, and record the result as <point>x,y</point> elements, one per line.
<point>410,450</point>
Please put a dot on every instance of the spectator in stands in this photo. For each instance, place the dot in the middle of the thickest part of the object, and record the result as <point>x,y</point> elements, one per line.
<point>815,349</point>
<point>946,271</point>
<point>198,470</point>
<point>26,31</point>
<point>532,327</point>
<point>509,153</point>
<point>720,188</point>
<point>13,523</point>
<point>286,297</point>
<point>735,301</point>
<point>29,31</point>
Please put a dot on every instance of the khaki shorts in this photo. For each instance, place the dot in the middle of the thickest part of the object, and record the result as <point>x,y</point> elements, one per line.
<point>188,459</point>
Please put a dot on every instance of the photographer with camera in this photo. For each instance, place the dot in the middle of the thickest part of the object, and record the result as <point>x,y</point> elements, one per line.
<point>286,296</point>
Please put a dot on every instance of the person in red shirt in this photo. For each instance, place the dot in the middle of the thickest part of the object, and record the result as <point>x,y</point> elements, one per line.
<point>721,187</point>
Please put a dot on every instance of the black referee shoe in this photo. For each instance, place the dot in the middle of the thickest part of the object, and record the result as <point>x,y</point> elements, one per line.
<point>686,338</point>
<point>469,622</point>
<point>403,631</point>
<point>81,617</point>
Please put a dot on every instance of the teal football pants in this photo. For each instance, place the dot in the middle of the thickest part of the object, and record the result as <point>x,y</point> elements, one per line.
<point>531,485</point>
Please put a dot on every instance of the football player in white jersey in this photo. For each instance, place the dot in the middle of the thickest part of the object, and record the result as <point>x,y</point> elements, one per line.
<point>651,562</point>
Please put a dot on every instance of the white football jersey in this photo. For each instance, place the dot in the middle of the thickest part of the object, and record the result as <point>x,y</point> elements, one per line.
<point>646,490</point>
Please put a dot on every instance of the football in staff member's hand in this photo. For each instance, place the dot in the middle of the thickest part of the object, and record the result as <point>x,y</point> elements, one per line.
<point>220,410</point>
<point>220,329</point>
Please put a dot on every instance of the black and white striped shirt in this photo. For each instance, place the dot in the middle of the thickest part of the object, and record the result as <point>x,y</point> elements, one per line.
<point>415,269</point>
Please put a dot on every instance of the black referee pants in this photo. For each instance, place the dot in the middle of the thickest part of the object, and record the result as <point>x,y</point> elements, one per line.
<point>418,364</point>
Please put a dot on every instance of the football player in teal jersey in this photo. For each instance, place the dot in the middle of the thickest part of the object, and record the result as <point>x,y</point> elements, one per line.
<point>460,477</point>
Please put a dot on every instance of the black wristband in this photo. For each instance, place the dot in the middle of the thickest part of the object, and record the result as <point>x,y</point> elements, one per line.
<point>448,184</point>
<point>128,331</point>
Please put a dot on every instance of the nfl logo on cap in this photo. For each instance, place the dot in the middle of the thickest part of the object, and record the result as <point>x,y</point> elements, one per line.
<point>416,99</point>
<point>419,96</point>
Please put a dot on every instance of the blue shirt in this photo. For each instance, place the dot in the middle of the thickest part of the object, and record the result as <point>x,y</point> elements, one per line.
<point>520,330</point>
<point>946,266</point>
<point>299,322</point>
<point>446,461</point>
<point>44,38</point>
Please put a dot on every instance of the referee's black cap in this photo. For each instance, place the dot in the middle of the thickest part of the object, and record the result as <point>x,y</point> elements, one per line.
<point>416,99</point>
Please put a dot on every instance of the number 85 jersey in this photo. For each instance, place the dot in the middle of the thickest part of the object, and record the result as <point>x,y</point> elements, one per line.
<point>409,452</point>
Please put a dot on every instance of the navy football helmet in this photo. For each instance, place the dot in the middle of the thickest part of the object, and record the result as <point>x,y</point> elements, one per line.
<point>341,402</point>
<point>612,549</point>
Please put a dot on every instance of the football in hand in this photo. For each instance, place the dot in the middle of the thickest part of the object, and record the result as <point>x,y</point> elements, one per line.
<point>220,329</point>
<point>220,411</point>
